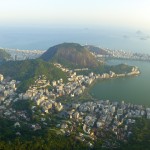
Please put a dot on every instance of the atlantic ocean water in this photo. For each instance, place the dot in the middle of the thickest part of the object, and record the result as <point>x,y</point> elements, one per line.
<point>44,37</point>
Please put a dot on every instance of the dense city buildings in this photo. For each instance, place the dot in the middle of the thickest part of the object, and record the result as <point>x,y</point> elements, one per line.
<point>88,120</point>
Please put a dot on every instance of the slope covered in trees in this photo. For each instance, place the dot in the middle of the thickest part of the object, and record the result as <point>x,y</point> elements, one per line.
<point>70,54</point>
<point>4,55</point>
<point>28,70</point>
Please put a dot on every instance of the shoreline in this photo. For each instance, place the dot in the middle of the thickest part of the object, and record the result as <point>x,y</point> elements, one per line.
<point>129,59</point>
<point>86,94</point>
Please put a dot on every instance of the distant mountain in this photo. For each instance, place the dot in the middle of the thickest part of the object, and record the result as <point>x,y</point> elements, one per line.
<point>70,54</point>
<point>4,55</point>
<point>27,71</point>
<point>97,50</point>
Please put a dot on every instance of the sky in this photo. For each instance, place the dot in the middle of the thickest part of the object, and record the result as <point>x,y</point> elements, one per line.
<point>114,13</point>
<point>39,24</point>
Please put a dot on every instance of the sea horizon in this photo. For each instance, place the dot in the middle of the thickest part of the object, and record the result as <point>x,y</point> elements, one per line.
<point>41,38</point>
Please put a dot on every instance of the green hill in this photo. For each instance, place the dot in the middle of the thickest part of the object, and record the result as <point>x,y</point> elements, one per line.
<point>4,55</point>
<point>26,71</point>
<point>70,54</point>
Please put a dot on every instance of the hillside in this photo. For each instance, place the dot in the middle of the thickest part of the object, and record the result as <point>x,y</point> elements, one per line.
<point>97,50</point>
<point>70,54</point>
<point>27,70</point>
<point>4,55</point>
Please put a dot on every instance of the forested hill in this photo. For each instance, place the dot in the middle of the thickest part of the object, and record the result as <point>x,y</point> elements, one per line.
<point>28,70</point>
<point>70,54</point>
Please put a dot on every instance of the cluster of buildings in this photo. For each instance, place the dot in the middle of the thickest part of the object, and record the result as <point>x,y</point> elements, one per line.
<point>7,89</point>
<point>17,54</point>
<point>111,74</point>
<point>41,96</point>
<point>76,83</point>
<point>38,94</point>
<point>129,55</point>
<point>45,98</point>
<point>8,96</point>
<point>88,120</point>
<point>94,118</point>
<point>123,55</point>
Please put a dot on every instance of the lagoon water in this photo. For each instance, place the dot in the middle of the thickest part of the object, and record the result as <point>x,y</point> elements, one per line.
<point>134,89</point>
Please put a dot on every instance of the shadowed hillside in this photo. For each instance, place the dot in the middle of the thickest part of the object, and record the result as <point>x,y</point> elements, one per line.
<point>70,54</point>
<point>28,70</point>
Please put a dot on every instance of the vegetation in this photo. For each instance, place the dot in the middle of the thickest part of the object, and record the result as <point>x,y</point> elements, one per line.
<point>71,54</point>
<point>44,139</point>
<point>118,69</point>
<point>4,55</point>
<point>140,138</point>
<point>47,139</point>
<point>28,70</point>
<point>121,68</point>
<point>23,105</point>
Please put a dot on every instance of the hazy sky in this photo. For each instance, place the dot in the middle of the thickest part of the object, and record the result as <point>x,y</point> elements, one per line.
<point>123,13</point>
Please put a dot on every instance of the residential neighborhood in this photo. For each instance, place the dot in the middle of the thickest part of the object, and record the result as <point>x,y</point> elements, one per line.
<point>89,120</point>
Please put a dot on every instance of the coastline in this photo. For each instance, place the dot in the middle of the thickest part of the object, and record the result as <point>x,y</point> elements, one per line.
<point>86,94</point>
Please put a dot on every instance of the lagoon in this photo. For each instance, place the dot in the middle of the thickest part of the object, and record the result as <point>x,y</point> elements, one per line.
<point>135,89</point>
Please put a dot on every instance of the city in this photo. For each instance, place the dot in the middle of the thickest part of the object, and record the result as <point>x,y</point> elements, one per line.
<point>88,120</point>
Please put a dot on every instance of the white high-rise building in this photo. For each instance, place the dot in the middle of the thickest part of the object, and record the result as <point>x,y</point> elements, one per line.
<point>1,77</point>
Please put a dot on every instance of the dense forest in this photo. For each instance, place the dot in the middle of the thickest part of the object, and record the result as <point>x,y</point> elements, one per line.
<point>47,139</point>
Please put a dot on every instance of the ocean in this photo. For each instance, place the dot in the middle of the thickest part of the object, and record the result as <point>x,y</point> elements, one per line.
<point>44,37</point>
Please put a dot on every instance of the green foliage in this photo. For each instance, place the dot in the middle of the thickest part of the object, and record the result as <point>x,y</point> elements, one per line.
<point>70,54</point>
<point>122,68</point>
<point>140,138</point>
<point>28,70</point>
<point>6,129</point>
<point>22,105</point>
<point>4,55</point>
<point>46,139</point>
<point>118,69</point>
<point>49,141</point>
